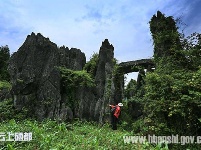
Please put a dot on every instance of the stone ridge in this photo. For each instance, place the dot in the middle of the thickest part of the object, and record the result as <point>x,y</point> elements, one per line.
<point>36,81</point>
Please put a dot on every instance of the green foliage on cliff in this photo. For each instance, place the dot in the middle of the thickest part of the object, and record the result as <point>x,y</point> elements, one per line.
<point>73,78</point>
<point>4,57</point>
<point>165,35</point>
<point>167,42</point>
<point>91,66</point>
<point>4,85</point>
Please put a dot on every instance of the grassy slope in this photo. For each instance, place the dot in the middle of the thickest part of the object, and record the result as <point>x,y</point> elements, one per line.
<point>79,135</point>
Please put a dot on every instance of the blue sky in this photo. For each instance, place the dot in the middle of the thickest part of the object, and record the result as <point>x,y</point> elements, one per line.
<point>84,24</point>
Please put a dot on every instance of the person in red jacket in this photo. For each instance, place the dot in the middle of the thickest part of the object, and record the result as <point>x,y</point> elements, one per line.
<point>115,115</point>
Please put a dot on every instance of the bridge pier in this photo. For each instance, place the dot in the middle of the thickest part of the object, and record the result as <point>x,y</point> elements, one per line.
<point>128,67</point>
<point>119,87</point>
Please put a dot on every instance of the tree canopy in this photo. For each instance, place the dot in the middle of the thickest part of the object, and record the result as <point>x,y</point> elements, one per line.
<point>4,57</point>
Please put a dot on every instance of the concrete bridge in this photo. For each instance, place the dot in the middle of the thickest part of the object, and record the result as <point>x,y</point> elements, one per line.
<point>133,66</point>
<point>128,67</point>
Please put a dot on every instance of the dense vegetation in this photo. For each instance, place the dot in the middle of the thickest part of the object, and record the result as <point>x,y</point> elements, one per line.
<point>172,96</point>
<point>4,57</point>
<point>174,88</point>
<point>71,80</point>
<point>91,65</point>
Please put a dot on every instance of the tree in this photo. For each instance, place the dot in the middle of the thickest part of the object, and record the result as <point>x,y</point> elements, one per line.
<point>4,57</point>
<point>130,89</point>
<point>192,50</point>
<point>91,66</point>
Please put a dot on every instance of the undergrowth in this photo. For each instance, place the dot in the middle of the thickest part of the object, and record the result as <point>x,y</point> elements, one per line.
<point>49,135</point>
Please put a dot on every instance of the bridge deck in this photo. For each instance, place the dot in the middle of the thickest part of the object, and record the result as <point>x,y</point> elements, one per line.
<point>133,66</point>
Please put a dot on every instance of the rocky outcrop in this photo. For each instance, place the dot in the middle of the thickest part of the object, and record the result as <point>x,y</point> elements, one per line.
<point>93,102</point>
<point>87,102</point>
<point>165,35</point>
<point>35,78</point>
<point>105,66</point>
<point>37,82</point>
<point>73,59</point>
<point>104,80</point>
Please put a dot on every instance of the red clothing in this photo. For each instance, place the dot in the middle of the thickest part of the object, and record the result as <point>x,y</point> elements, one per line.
<point>117,111</point>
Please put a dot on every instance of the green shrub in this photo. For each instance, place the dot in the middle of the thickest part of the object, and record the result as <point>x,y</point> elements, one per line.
<point>174,97</point>
<point>4,57</point>
<point>71,80</point>
<point>7,111</point>
<point>91,65</point>
<point>5,85</point>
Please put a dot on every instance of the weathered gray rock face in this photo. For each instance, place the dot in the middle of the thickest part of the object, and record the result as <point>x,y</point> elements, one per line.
<point>104,81</point>
<point>73,59</point>
<point>105,66</point>
<point>87,103</point>
<point>93,102</point>
<point>36,80</point>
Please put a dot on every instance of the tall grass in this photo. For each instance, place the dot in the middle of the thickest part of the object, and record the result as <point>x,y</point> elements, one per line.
<point>78,135</point>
